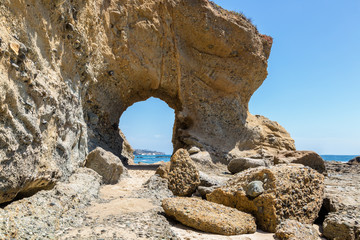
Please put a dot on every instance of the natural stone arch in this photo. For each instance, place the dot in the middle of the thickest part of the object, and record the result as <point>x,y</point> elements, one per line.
<point>202,63</point>
<point>68,69</point>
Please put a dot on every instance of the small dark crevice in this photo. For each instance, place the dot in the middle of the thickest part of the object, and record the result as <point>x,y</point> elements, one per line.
<point>26,194</point>
<point>324,211</point>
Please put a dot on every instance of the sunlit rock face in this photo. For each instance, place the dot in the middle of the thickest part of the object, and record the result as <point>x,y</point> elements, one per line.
<point>69,69</point>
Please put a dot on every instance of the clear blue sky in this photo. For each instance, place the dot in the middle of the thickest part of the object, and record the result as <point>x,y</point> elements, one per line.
<point>313,86</point>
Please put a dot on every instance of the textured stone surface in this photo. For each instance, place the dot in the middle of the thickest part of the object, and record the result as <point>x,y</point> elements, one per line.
<point>106,164</point>
<point>290,192</point>
<point>183,176</point>
<point>209,217</point>
<point>342,201</point>
<point>342,226</point>
<point>293,230</point>
<point>163,170</point>
<point>68,71</point>
<point>306,158</point>
<point>241,164</point>
<point>254,189</point>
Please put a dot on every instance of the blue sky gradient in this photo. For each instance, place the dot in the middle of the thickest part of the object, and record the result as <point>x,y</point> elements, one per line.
<point>313,84</point>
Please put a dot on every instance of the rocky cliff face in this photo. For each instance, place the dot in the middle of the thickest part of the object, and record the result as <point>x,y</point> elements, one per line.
<point>69,69</point>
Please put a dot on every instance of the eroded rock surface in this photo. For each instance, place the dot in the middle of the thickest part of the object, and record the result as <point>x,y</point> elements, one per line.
<point>106,165</point>
<point>294,230</point>
<point>209,217</point>
<point>290,192</point>
<point>183,176</point>
<point>69,69</point>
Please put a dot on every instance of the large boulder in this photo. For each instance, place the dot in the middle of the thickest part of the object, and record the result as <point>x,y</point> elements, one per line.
<point>289,192</point>
<point>294,230</point>
<point>306,158</point>
<point>209,217</point>
<point>106,165</point>
<point>240,164</point>
<point>183,176</point>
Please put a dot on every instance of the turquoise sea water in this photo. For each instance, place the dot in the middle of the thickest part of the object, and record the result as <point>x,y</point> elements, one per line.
<point>166,158</point>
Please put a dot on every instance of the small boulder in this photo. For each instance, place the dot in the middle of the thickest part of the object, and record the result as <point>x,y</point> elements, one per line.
<point>183,176</point>
<point>193,150</point>
<point>163,170</point>
<point>208,181</point>
<point>290,192</point>
<point>209,217</point>
<point>355,160</point>
<point>342,226</point>
<point>106,164</point>
<point>294,230</point>
<point>254,189</point>
<point>306,158</point>
<point>240,164</point>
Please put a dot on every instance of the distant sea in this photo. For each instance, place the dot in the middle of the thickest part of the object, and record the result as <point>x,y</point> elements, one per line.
<point>166,158</point>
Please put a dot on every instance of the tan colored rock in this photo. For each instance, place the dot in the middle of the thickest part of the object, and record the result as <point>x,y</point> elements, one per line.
<point>64,96</point>
<point>306,158</point>
<point>106,165</point>
<point>290,192</point>
<point>355,160</point>
<point>183,176</point>
<point>294,230</point>
<point>163,170</point>
<point>209,217</point>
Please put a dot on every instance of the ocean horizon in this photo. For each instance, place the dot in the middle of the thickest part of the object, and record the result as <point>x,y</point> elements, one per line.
<point>151,159</point>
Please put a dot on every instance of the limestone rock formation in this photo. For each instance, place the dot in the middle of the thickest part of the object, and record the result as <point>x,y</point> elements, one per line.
<point>69,69</point>
<point>293,230</point>
<point>306,158</point>
<point>209,217</point>
<point>240,164</point>
<point>290,192</point>
<point>106,165</point>
<point>183,176</point>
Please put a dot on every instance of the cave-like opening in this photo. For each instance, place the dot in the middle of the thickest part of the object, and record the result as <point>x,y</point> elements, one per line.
<point>148,125</point>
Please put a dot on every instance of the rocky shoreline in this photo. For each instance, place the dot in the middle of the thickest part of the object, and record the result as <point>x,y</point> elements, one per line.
<point>84,208</point>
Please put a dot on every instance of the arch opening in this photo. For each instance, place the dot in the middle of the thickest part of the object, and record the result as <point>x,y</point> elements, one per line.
<point>149,125</point>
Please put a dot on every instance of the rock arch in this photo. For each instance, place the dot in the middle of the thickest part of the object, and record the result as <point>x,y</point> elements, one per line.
<point>69,69</point>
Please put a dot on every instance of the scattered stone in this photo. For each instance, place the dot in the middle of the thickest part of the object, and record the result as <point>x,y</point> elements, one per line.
<point>241,164</point>
<point>342,226</point>
<point>290,191</point>
<point>207,181</point>
<point>106,164</point>
<point>355,160</point>
<point>15,47</point>
<point>254,189</point>
<point>294,230</point>
<point>202,191</point>
<point>193,150</point>
<point>209,217</point>
<point>183,176</point>
<point>163,170</point>
<point>306,158</point>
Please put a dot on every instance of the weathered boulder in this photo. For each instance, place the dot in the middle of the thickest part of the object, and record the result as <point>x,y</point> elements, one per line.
<point>241,164</point>
<point>183,176</point>
<point>163,170</point>
<point>342,226</point>
<point>290,192</point>
<point>64,89</point>
<point>355,160</point>
<point>306,158</point>
<point>106,165</point>
<point>294,230</point>
<point>209,217</point>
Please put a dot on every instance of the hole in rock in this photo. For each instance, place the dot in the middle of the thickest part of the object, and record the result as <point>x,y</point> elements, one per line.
<point>324,211</point>
<point>148,125</point>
